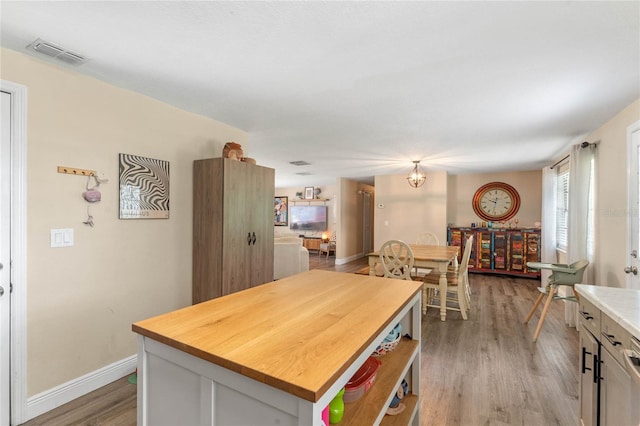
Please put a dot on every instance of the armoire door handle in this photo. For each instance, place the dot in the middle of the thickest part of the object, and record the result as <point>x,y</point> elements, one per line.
<point>253,240</point>
<point>249,238</point>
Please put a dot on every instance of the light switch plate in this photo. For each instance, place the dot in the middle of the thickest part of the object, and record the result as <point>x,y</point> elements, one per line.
<point>62,237</point>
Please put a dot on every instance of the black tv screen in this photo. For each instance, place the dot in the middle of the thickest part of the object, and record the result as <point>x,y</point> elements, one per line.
<point>308,218</point>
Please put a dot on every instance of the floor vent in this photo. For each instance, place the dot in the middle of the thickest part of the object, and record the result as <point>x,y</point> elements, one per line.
<point>57,52</point>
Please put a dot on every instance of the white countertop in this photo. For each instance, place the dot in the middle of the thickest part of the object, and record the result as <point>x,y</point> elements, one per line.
<point>620,304</point>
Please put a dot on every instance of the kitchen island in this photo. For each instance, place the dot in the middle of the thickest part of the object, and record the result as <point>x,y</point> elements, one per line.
<point>278,353</point>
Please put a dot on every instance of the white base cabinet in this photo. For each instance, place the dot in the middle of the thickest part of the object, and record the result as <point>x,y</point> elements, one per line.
<point>607,394</point>
<point>589,357</point>
<point>615,392</point>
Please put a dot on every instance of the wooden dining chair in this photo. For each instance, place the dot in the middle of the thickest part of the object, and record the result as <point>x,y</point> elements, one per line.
<point>425,239</point>
<point>397,260</point>
<point>458,289</point>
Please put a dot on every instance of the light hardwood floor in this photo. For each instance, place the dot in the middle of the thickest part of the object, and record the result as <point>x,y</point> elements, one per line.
<point>483,371</point>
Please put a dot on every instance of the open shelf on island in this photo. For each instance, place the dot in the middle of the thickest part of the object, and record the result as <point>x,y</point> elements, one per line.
<point>393,369</point>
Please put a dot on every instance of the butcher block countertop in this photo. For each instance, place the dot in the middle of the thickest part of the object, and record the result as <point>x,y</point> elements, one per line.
<point>298,334</point>
<point>620,304</point>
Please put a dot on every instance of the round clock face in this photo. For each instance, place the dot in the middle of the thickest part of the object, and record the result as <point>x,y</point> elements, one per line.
<point>496,201</point>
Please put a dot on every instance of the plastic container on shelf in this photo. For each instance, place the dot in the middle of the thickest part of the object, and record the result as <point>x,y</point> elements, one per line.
<point>336,408</point>
<point>396,407</point>
<point>362,381</point>
<point>325,416</point>
<point>390,342</point>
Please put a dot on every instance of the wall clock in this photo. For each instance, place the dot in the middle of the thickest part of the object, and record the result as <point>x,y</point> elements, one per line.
<point>496,201</point>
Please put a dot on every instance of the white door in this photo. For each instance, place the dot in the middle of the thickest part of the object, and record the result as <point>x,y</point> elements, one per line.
<point>632,267</point>
<point>5,258</point>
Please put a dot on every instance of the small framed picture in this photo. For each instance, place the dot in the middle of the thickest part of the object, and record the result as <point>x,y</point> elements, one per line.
<point>308,193</point>
<point>281,211</point>
<point>144,187</point>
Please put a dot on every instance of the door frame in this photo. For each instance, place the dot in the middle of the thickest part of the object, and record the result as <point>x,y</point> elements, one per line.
<point>18,354</point>
<point>633,216</point>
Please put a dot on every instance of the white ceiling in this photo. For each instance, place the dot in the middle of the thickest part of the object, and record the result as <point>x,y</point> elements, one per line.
<point>359,89</point>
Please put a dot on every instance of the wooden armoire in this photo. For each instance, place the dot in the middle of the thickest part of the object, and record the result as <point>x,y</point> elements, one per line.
<point>232,227</point>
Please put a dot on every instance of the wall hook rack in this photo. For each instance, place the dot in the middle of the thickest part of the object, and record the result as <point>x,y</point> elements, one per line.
<point>75,171</point>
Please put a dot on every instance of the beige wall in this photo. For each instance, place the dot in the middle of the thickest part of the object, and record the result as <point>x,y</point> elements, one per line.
<point>408,211</point>
<point>463,187</point>
<point>83,299</point>
<point>612,210</point>
<point>328,193</point>
<point>442,200</point>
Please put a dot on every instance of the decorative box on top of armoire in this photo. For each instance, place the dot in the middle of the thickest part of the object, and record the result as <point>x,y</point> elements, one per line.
<point>499,250</point>
<point>232,227</point>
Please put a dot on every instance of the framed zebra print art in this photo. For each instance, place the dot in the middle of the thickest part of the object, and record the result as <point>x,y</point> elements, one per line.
<point>144,187</point>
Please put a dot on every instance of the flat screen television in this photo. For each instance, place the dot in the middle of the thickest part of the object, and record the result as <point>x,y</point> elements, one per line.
<point>308,218</point>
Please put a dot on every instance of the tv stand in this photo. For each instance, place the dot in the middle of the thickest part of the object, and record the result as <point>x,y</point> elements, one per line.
<point>312,243</point>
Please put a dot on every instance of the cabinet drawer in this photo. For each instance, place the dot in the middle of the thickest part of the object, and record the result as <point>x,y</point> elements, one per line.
<point>614,338</point>
<point>589,316</point>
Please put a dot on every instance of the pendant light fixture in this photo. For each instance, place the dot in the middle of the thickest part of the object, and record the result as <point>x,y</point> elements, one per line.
<point>417,177</point>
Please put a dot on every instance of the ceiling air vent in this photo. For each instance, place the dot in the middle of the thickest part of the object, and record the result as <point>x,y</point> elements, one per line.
<point>304,174</point>
<point>299,163</point>
<point>57,52</point>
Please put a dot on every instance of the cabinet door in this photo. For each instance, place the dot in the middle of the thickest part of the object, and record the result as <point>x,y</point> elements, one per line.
<point>615,392</point>
<point>208,199</point>
<point>455,239</point>
<point>516,251</point>
<point>261,193</point>
<point>485,249</point>
<point>532,249</point>
<point>236,261</point>
<point>499,251</point>
<point>473,258</point>
<point>588,378</point>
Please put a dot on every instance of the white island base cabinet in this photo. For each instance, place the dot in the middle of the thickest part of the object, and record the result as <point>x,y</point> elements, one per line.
<point>184,390</point>
<point>180,388</point>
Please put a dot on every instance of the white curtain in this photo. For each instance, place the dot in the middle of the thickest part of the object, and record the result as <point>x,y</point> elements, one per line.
<point>548,231</point>
<point>582,163</point>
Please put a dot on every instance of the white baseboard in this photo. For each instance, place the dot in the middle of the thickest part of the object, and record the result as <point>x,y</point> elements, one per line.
<point>344,260</point>
<point>66,392</point>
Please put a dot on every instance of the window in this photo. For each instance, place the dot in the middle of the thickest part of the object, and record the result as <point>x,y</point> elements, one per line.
<point>562,208</point>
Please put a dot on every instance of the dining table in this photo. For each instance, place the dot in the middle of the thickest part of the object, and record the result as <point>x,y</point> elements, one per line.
<point>433,257</point>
